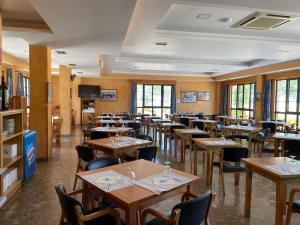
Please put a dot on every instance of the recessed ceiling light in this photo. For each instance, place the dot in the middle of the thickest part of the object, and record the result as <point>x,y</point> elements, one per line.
<point>283,51</point>
<point>60,52</point>
<point>225,20</point>
<point>80,72</point>
<point>136,67</point>
<point>161,43</point>
<point>203,16</point>
<point>72,64</point>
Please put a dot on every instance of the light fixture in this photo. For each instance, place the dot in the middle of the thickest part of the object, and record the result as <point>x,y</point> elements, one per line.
<point>136,67</point>
<point>80,72</point>
<point>203,16</point>
<point>60,52</point>
<point>283,51</point>
<point>161,43</point>
<point>225,20</point>
<point>72,64</point>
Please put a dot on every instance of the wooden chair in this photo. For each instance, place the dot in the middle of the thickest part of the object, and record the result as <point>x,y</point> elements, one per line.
<point>188,212</point>
<point>56,129</point>
<point>230,162</point>
<point>293,206</point>
<point>73,212</point>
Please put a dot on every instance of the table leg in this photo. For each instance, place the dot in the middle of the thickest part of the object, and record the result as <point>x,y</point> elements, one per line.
<point>276,148</point>
<point>207,167</point>
<point>165,137</point>
<point>248,192</point>
<point>175,145</point>
<point>195,161</point>
<point>131,217</point>
<point>160,136</point>
<point>170,141</point>
<point>183,146</point>
<point>154,132</point>
<point>182,143</point>
<point>280,198</point>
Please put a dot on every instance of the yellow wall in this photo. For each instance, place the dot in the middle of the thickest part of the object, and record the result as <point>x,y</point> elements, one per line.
<point>76,102</point>
<point>124,94</point>
<point>200,106</point>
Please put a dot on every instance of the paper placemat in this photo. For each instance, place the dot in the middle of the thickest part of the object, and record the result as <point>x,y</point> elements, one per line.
<point>162,182</point>
<point>108,180</point>
<point>286,169</point>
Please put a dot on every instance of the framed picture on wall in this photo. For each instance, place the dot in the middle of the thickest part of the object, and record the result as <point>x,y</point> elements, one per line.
<point>203,96</point>
<point>108,95</point>
<point>189,96</point>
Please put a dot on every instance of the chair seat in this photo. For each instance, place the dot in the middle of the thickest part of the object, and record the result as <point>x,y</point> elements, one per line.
<point>230,166</point>
<point>157,221</point>
<point>296,206</point>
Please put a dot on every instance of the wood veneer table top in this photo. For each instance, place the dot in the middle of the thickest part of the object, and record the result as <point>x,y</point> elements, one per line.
<point>161,120</point>
<point>115,121</point>
<point>233,118</point>
<point>170,124</point>
<point>112,129</point>
<point>286,136</point>
<point>242,128</point>
<point>189,131</point>
<point>261,163</point>
<point>142,169</point>
<point>205,121</point>
<point>215,143</point>
<point>274,122</point>
<point>120,142</point>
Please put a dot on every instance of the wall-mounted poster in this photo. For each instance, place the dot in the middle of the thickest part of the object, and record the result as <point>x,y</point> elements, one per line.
<point>108,95</point>
<point>203,96</point>
<point>189,96</point>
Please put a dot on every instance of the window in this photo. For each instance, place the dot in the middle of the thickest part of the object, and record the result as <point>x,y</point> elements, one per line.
<point>26,89</point>
<point>287,101</point>
<point>154,99</point>
<point>242,100</point>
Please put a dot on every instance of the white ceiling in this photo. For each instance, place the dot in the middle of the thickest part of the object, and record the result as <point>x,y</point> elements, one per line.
<point>123,33</point>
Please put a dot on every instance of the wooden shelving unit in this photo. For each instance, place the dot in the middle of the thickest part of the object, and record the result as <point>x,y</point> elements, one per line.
<point>8,164</point>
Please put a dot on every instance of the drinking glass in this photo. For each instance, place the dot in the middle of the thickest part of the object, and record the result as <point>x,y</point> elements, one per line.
<point>292,158</point>
<point>196,128</point>
<point>107,125</point>
<point>167,168</point>
<point>131,173</point>
<point>223,139</point>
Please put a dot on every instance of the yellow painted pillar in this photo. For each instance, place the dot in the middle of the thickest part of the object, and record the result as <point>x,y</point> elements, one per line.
<point>40,109</point>
<point>76,101</point>
<point>258,104</point>
<point>65,99</point>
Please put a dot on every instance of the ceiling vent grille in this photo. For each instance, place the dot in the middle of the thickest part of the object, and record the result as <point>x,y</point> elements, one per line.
<point>264,21</point>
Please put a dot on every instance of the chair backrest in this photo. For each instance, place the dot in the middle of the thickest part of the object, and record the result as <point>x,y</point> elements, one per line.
<point>198,124</point>
<point>134,125</point>
<point>194,211</point>
<point>67,204</point>
<point>144,137</point>
<point>235,154</point>
<point>200,135</point>
<point>101,162</point>
<point>147,153</point>
<point>263,134</point>
<point>184,121</point>
<point>98,135</point>
<point>86,154</point>
<point>292,147</point>
<point>271,126</point>
<point>213,117</point>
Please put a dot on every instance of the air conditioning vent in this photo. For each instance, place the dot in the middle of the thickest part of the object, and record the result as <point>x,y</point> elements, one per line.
<point>264,21</point>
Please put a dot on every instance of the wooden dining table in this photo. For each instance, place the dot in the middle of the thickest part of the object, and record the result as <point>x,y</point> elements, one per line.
<point>270,169</point>
<point>155,126</point>
<point>209,125</point>
<point>233,119</point>
<point>118,146</point>
<point>279,137</point>
<point>113,130</point>
<point>210,145</point>
<point>134,198</point>
<point>184,135</point>
<point>113,122</point>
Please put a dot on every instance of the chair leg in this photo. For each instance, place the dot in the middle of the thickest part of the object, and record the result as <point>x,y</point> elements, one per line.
<point>237,178</point>
<point>191,157</point>
<point>75,181</point>
<point>289,214</point>
<point>222,181</point>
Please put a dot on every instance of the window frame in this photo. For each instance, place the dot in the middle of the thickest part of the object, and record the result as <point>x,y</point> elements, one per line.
<point>286,111</point>
<point>162,92</point>
<point>237,101</point>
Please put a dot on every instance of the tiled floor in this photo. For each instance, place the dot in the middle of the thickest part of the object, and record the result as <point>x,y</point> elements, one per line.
<point>36,203</point>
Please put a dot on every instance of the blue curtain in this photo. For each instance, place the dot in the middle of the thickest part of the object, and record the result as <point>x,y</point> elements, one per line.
<point>254,101</point>
<point>20,85</point>
<point>173,98</point>
<point>9,78</point>
<point>224,103</point>
<point>133,99</point>
<point>266,100</point>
